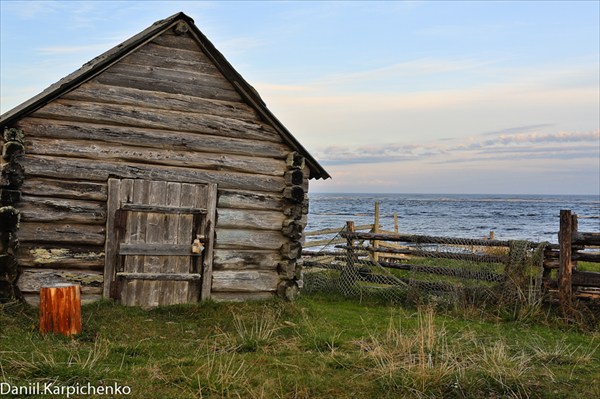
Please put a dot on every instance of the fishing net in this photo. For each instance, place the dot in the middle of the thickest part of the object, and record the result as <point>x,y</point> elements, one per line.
<point>420,269</point>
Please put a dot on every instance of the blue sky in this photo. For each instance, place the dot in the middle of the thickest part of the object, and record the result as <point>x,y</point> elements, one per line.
<point>429,97</point>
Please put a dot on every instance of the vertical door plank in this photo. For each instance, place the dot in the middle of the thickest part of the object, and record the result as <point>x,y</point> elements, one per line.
<point>157,195</point>
<point>168,288</point>
<point>111,244</point>
<point>211,209</point>
<point>184,236</point>
<point>126,196</point>
<point>137,234</point>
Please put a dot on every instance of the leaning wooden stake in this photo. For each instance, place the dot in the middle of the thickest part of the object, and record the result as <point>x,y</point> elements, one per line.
<point>375,243</point>
<point>60,309</point>
<point>565,269</point>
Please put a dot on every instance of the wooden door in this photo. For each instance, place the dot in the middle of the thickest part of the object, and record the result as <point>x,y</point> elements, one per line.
<point>150,229</point>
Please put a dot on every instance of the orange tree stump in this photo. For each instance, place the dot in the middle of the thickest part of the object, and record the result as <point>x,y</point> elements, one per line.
<point>60,309</point>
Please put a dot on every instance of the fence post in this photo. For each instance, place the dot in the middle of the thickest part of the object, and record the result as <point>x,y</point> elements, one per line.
<point>565,270</point>
<point>376,230</point>
<point>396,222</point>
<point>350,243</point>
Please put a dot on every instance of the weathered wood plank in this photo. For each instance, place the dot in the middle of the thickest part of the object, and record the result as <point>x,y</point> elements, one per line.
<point>31,280</point>
<point>249,200</point>
<point>156,249</point>
<point>209,231</point>
<point>190,159</point>
<point>154,84</point>
<point>176,78</point>
<point>125,115</point>
<point>47,209</point>
<point>97,92</point>
<point>242,219</point>
<point>65,189</point>
<point>71,168</point>
<point>63,256</point>
<point>154,138</point>
<point>162,277</point>
<point>242,239</point>
<point>70,233</point>
<point>165,209</point>
<point>174,41</point>
<point>242,296</point>
<point>238,259</point>
<point>245,281</point>
<point>169,57</point>
<point>586,279</point>
<point>33,299</point>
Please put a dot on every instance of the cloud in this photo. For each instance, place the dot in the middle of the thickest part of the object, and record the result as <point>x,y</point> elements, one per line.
<point>533,145</point>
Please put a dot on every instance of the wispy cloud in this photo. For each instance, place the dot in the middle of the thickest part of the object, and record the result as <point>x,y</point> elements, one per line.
<point>504,147</point>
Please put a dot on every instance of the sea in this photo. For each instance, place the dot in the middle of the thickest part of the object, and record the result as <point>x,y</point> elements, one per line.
<point>511,217</point>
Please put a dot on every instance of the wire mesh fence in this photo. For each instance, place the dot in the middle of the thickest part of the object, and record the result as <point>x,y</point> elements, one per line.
<point>410,268</point>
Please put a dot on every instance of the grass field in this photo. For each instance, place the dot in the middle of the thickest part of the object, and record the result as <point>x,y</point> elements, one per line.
<point>317,347</point>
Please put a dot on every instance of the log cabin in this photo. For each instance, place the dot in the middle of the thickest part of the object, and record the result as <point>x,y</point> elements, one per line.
<point>153,175</point>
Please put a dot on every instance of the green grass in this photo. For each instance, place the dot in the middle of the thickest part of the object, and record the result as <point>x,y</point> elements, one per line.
<point>318,347</point>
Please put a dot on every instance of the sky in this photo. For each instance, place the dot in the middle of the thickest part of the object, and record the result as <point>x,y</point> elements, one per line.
<point>390,97</point>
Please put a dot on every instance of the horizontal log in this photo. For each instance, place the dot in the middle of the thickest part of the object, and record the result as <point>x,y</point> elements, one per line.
<point>260,239</point>
<point>97,92</point>
<point>422,239</point>
<point>155,84</point>
<point>31,280</point>
<point>238,259</point>
<point>33,299</point>
<point>156,249</point>
<point>47,209</point>
<point>161,276</point>
<point>190,159</point>
<point>582,238</point>
<point>586,257</point>
<point>481,275</point>
<point>336,230</point>
<point>71,168</point>
<point>249,200</point>
<point>174,41</point>
<point>438,254</point>
<point>175,77</point>
<point>171,210</point>
<point>74,234</point>
<point>125,115</point>
<point>169,57</point>
<point>241,296</point>
<point>73,189</point>
<point>61,256</point>
<point>153,138</point>
<point>585,279</point>
<point>244,219</point>
<point>244,281</point>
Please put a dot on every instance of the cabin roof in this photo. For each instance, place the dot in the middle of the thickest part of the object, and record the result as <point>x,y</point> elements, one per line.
<point>97,65</point>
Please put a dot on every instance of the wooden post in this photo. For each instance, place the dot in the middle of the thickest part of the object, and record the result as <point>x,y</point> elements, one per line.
<point>376,230</point>
<point>350,274</point>
<point>492,235</point>
<point>350,243</point>
<point>396,222</point>
<point>565,269</point>
<point>60,309</point>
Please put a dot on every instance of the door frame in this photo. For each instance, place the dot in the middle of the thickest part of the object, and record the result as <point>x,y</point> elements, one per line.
<point>113,206</point>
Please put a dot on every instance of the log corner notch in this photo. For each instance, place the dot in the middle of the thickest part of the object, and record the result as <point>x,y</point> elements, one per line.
<point>11,179</point>
<point>294,194</point>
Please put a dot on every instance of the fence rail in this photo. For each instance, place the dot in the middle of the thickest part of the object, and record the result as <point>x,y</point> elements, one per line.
<point>558,263</point>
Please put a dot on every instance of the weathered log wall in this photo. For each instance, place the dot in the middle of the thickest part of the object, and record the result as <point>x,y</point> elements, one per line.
<point>164,112</point>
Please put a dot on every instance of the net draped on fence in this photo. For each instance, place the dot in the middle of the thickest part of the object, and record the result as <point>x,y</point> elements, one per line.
<point>425,269</point>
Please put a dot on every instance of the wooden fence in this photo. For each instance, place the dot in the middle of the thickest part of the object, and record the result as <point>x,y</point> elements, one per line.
<point>561,277</point>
